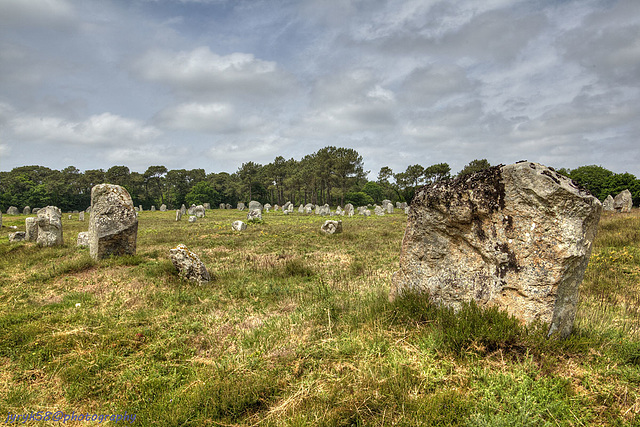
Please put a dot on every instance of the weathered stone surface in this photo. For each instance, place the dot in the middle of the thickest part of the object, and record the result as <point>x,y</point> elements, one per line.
<point>206,206</point>
<point>183,209</point>
<point>517,237</point>
<point>254,214</point>
<point>26,210</point>
<point>188,264</point>
<point>239,226</point>
<point>366,212</point>
<point>222,206</point>
<point>241,206</point>
<point>18,236</point>
<point>276,207</point>
<point>83,239</point>
<point>267,206</point>
<point>31,229</point>
<point>228,206</point>
<point>389,208</point>
<point>623,202</point>
<point>607,205</point>
<point>199,211</point>
<point>139,208</point>
<point>81,216</point>
<point>153,208</point>
<point>113,224</point>
<point>378,210</point>
<point>192,218</point>
<point>348,208</point>
<point>192,210</point>
<point>331,227</point>
<point>253,205</point>
<point>385,202</point>
<point>301,208</point>
<point>49,226</point>
<point>13,211</point>
<point>178,215</point>
<point>406,210</point>
<point>163,208</point>
<point>35,210</point>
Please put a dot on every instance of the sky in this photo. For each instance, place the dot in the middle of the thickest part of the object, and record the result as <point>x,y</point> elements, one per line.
<point>215,83</point>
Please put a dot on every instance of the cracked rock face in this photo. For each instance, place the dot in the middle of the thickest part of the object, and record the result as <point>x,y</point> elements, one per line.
<point>113,225</point>
<point>188,264</point>
<point>49,231</point>
<point>517,237</point>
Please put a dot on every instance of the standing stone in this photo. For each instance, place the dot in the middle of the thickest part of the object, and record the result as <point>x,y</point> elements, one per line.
<point>13,211</point>
<point>253,205</point>
<point>623,202</point>
<point>81,216</point>
<point>183,209</point>
<point>113,224</point>
<point>267,206</point>
<point>403,205</point>
<point>607,205</point>
<point>178,215</point>
<point>367,212</point>
<point>378,210</point>
<point>199,211</point>
<point>192,218</point>
<point>389,208</point>
<point>34,211</point>
<point>188,264</point>
<point>348,208</point>
<point>49,226</point>
<point>331,227</point>
<point>254,214</point>
<point>207,206</point>
<point>31,227</point>
<point>339,211</point>
<point>291,207</point>
<point>239,226</point>
<point>406,210</point>
<point>140,208</point>
<point>308,209</point>
<point>222,205</point>
<point>163,208</point>
<point>241,206</point>
<point>276,207</point>
<point>517,237</point>
<point>18,236</point>
<point>26,210</point>
<point>83,239</point>
<point>70,216</point>
<point>301,208</point>
<point>228,206</point>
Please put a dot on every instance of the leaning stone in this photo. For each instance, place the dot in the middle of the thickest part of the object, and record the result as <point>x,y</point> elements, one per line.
<point>178,215</point>
<point>83,239</point>
<point>607,205</point>
<point>18,236</point>
<point>26,210</point>
<point>13,211</point>
<point>255,214</point>
<point>31,227</point>
<point>239,226</point>
<point>517,237</point>
<point>623,202</point>
<point>113,224</point>
<point>188,264</point>
<point>49,226</point>
<point>163,208</point>
<point>192,218</point>
<point>331,227</point>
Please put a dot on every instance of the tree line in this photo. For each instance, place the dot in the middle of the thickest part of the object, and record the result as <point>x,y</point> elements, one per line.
<point>332,175</point>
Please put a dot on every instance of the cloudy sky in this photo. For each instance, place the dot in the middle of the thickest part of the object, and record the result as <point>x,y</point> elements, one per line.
<point>215,83</point>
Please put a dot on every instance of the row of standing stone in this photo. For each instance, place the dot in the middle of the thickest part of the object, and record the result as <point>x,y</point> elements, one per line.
<point>622,203</point>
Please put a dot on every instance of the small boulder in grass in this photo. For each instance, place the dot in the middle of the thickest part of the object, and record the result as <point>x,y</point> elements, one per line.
<point>332,227</point>
<point>239,226</point>
<point>188,264</point>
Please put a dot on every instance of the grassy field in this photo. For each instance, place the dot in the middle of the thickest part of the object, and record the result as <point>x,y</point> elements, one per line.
<point>296,329</point>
